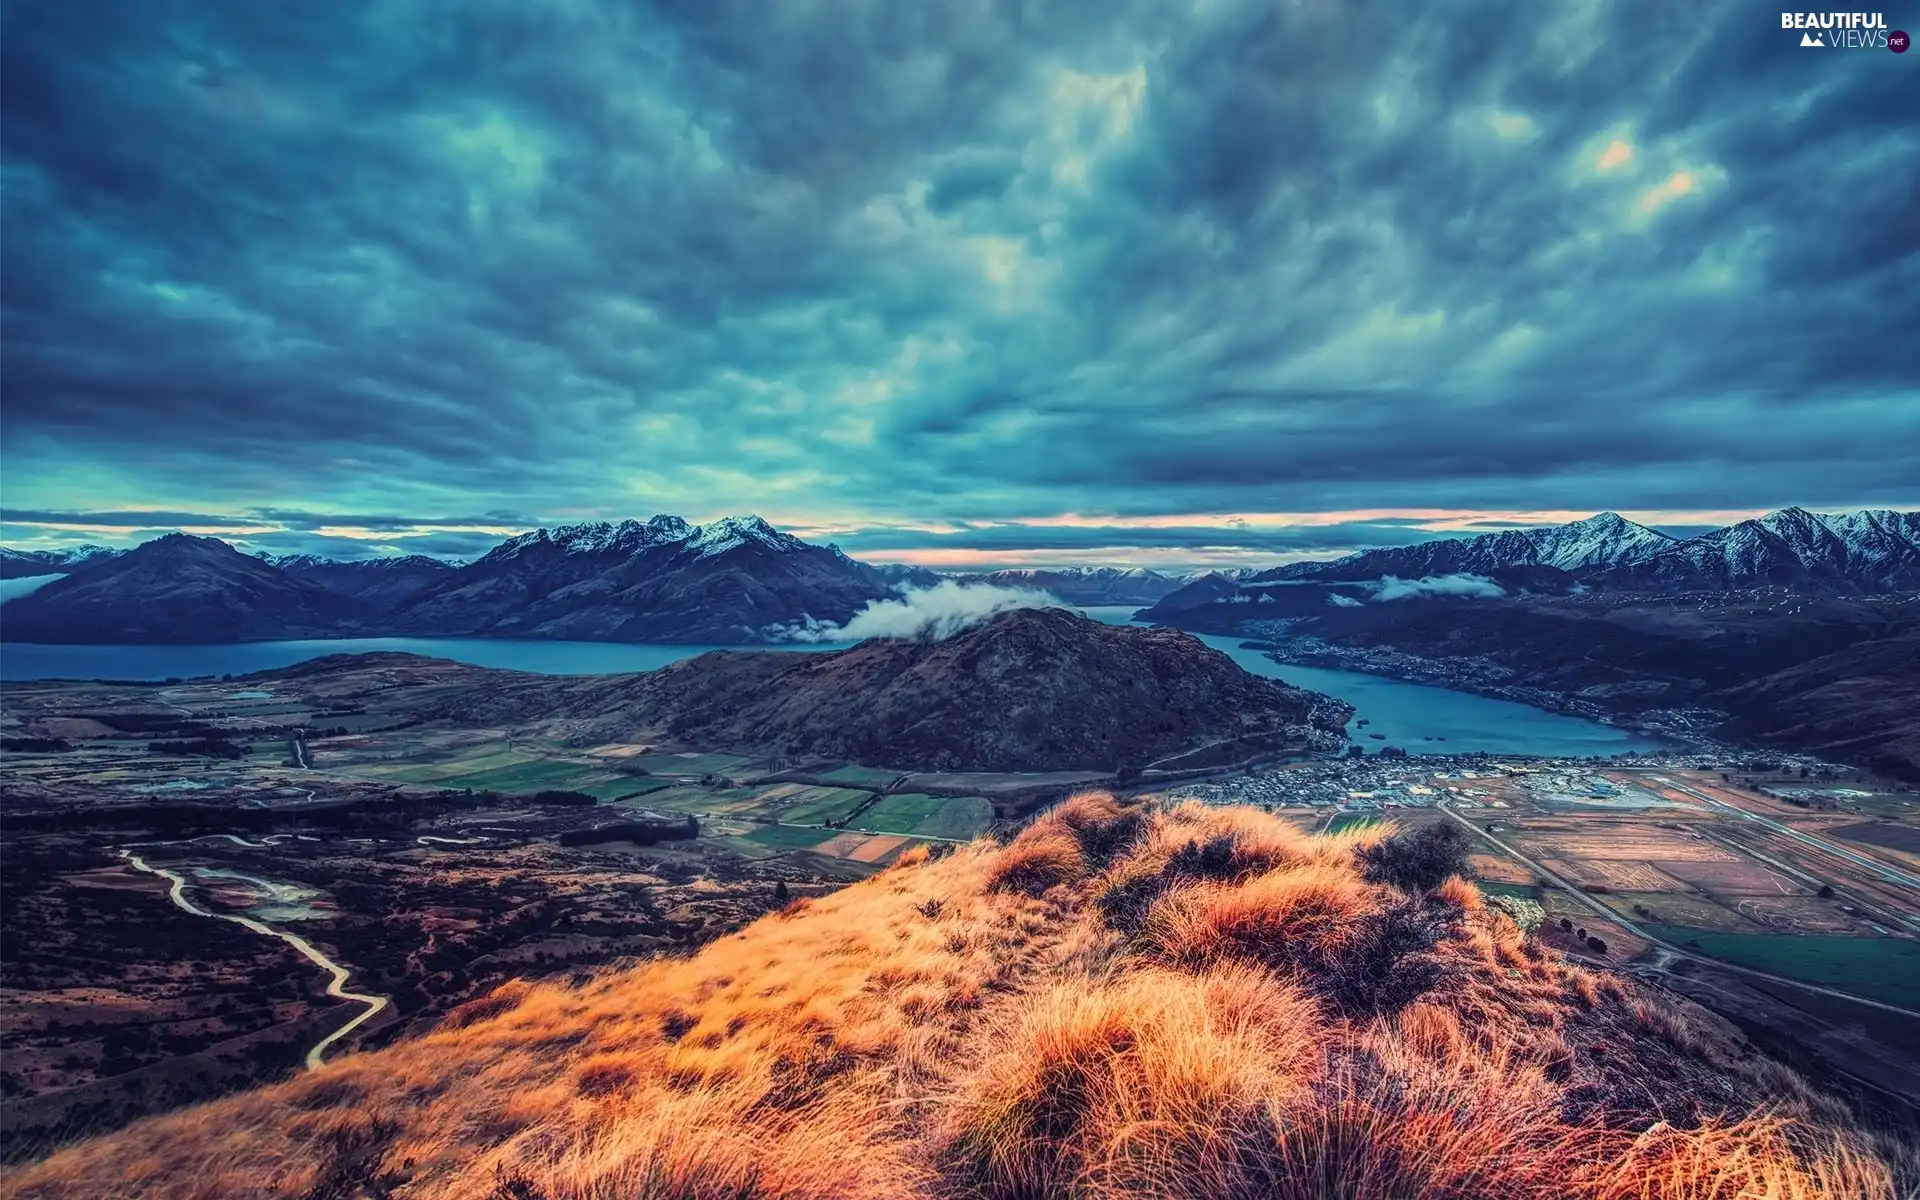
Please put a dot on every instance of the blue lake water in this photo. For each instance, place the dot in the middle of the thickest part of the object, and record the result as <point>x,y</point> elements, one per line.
<point>20,662</point>
<point>1406,714</point>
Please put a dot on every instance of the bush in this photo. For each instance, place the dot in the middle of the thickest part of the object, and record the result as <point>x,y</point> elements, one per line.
<point>1125,903</point>
<point>1417,861</point>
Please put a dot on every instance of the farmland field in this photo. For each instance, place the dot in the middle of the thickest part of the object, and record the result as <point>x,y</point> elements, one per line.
<point>533,776</point>
<point>823,806</point>
<point>1522,891</point>
<point>1345,821</point>
<point>959,818</point>
<point>625,787</point>
<point>1886,969</point>
<point>954,817</point>
<point>871,778</point>
<point>786,837</point>
<point>688,764</point>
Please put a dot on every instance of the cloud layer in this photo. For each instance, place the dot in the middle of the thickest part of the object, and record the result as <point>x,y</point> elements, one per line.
<point>922,275</point>
<point>934,613</point>
<point>1392,587</point>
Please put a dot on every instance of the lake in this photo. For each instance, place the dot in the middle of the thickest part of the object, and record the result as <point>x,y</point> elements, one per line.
<point>20,662</point>
<point>1409,713</point>
<point>1404,713</point>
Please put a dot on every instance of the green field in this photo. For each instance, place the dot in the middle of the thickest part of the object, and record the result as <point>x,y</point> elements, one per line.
<point>786,837</point>
<point>1885,969</point>
<point>899,814</point>
<point>436,772</point>
<point>539,775</point>
<point>1520,891</point>
<point>687,798</point>
<point>694,765</point>
<point>1344,821</point>
<point>961,817</point>
<point>871,778</point>
<point>623,788</point>
<point>823,806</point>
<point>927,816</point>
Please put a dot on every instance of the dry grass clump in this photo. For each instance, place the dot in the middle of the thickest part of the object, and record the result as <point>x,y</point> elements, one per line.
<point>1122,1001</point>
<point>1156,1083</point>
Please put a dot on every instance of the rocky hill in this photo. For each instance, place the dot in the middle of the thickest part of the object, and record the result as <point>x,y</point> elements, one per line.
<point>1029,690</point>
<point>1189,1002</point>
<point>179,589</point>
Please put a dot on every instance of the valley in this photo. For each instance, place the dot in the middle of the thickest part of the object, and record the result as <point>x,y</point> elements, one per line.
<point>379,808</point>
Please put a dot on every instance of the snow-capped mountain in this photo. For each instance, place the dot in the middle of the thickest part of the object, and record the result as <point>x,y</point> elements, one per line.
<point>730,581</point>
<point>1606,540</point>
<point>15,564</point>
<point>1874,550</point>
<point>379,583</point>
<point>1085,585</point>
<point>595,537</point>
<point>1602,541</point>
<point>178,588</point>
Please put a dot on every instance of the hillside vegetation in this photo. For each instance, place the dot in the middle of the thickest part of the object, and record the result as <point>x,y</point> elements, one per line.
<point>1185,1001</point>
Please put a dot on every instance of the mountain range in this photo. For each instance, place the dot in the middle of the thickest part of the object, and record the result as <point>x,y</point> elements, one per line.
<point>178,589</point>
<point>19,564</point>
<point>739,580</point>
<point>1873,551</point>
<point>731,581</point>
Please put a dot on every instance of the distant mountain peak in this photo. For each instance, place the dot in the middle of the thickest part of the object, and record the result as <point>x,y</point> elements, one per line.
<point>730,533</point>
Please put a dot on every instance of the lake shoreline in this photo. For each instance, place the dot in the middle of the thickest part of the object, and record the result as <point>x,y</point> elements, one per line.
<point>1416,717</point>
<point>1543,699</point>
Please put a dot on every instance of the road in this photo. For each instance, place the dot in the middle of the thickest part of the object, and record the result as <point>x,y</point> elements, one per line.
<point>1661,943</point>
<point>1889,874</point>
<point>316,1057</point>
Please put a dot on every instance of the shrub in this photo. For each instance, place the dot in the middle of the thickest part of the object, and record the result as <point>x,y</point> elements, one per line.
<point>1103,826</point>
<point>1126,901</point>
<point>1043,856</point>
<point>1417,861</point>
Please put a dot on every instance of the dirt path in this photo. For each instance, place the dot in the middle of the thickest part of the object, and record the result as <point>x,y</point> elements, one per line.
<point>316,1057</point>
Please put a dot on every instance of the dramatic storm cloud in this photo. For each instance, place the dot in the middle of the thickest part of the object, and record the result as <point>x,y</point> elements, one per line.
<point>949,282</point>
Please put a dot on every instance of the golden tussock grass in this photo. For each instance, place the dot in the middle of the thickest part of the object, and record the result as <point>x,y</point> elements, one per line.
<point>1121,1001</point>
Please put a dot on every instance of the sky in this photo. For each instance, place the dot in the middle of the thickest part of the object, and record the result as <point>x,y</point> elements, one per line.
<point>963,283</point>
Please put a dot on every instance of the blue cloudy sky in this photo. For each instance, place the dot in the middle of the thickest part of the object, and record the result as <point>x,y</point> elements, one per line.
<point>969,282</point>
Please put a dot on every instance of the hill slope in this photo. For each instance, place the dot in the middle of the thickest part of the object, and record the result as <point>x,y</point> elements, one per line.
<point>1186,1003</point>
<point>1029,690</point>
<point>176,588</point>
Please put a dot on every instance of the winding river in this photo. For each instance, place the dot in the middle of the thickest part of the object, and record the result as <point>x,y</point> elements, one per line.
<point>317,1056</point>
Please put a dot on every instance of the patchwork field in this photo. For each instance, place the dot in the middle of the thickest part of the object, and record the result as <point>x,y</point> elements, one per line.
<point>822,805</point>
<point>871,778</point>
<point>1610,874</point>
<point>688,765</point>
<point>946,817</point>
<point>1885,969</point>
